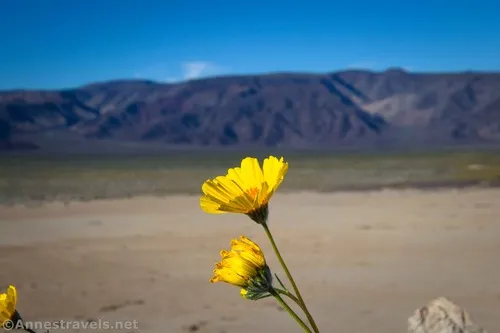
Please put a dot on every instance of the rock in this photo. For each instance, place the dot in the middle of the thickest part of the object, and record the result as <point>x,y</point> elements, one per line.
<point>442,316</point>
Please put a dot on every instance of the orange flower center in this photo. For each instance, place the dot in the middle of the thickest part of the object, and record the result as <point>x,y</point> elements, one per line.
<point>253,192</point>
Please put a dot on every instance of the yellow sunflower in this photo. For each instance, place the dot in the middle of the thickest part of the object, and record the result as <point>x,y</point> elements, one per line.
<point>246,189</point>
<point>8,302</point>
<point>243,266</point>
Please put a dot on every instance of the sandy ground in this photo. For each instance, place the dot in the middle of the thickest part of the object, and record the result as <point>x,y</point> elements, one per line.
<point>364,261</point>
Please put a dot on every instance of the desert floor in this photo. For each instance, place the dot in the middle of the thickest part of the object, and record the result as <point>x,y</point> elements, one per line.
<point>364,261</point>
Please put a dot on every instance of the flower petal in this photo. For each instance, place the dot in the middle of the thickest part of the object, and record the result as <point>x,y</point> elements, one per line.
<point>228,275</point>
<point>224,195</point>
<point>209,206</point>
<point>245,244</point>
<point>274,173</point>
<point>8,304</point>
<point>246,251</point>
<point>221,190</point>
<point>11,299</point>
<point>252,173</point>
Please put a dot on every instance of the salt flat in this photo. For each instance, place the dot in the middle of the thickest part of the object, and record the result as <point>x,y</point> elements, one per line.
<point>364,261</point>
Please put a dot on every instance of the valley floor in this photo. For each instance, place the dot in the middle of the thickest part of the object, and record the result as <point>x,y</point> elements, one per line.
<point>364,261</point>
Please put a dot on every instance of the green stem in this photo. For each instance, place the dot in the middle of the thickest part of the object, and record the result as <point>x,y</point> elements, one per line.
<point>29,330</point>
<point>292,313</point>
<point>289,275</point>
<point>291,296</point>
<point>16,318</point>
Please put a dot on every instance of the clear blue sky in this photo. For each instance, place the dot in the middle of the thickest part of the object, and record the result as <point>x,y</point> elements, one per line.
<point>66,43</point>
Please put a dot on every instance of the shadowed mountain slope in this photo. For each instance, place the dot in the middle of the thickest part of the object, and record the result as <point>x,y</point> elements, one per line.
<point>349,108</point>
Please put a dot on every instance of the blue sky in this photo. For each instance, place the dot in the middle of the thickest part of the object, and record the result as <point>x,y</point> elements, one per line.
<point>53,44</point>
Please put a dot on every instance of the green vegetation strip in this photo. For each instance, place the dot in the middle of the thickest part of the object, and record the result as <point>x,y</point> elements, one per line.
<point>37,179</point>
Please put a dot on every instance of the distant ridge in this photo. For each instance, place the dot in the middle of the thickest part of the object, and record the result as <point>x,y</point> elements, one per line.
<point>352,108</point>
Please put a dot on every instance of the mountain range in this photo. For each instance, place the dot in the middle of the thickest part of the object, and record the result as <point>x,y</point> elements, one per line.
<point>353,108</point>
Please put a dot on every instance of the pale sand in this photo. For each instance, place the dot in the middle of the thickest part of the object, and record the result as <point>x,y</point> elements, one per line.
<point>364,261</point>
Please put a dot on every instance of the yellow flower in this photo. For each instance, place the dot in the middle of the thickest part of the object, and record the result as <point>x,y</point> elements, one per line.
<point>246,189</point>
<point>243,266</point>
<point>8,302</point>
